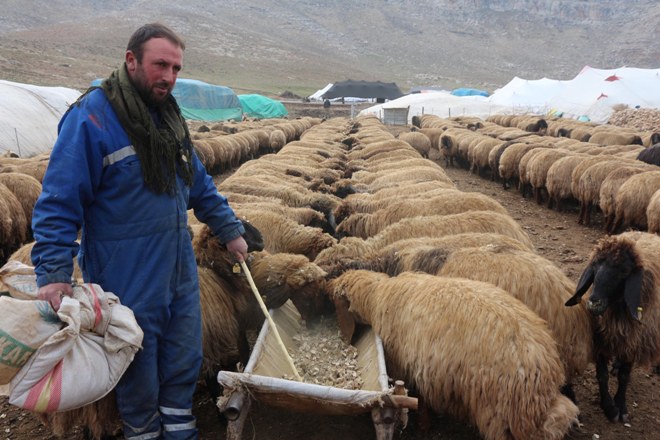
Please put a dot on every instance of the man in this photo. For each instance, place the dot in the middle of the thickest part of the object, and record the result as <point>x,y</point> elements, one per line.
<point>124,173</point>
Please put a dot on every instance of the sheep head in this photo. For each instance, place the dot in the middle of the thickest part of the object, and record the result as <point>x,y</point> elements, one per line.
<point>282,276</point>
<point>617,275</point>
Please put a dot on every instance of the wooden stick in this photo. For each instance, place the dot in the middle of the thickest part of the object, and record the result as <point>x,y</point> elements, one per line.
<point>270,320</point>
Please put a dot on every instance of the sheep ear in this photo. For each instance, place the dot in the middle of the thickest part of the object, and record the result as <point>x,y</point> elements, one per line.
<point>632,293</point>
<point>253,237</point>
<point>586,280</point>
<point>345,319</point>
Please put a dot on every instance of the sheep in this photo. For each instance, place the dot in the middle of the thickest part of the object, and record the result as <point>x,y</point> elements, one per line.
<point>653,213</point>
<point>510,160</point>
<point>284,235</point>
<point>608,190</point>
<point>650,155</point>
<point>448,143</point>
<point>13,224</point>
<point>303,216</point>
<point>624,274</point>
<point>502,375</point>
<point>366,202</point>
<point>425,254</point>
<point>611,137</point>
<point>541,286</point>
<point>538,167</point>
<point>474,222</point>
<point>633,198</point>
<point>558,179</point>
<point>419,141</point>
<point>440,225</point>
<point>276,140</point>
<point>588,187</point>
<point>447,202</point>
<point>478,155</point>
<point>26,189</point>
<point>289,195</point>
<point>494,156</point>
<point>577,173</point>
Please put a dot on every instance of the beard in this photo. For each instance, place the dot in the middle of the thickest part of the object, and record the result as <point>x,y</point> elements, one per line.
<point>146,90</point>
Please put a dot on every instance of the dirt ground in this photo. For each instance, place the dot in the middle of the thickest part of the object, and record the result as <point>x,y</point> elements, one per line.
<point>558,237</point>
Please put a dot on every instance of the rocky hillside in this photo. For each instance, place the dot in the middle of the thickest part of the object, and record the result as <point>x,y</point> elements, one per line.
<point>300,45</point>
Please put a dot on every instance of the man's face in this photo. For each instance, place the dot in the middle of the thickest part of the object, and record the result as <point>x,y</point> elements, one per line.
<point>155,75</point>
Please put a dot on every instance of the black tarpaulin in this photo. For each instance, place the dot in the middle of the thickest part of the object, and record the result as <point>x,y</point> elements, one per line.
<point>363,89</point>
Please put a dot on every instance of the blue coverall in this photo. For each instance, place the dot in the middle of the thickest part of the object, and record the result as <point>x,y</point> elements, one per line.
<point>135,244</point>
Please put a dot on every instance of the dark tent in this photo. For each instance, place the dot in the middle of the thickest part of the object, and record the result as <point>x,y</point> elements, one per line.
<point>363,89</point>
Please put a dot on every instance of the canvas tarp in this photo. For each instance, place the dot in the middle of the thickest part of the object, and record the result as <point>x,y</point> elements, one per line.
<point>363,89</point>
<point>29,116</point>
<point>262,107</point>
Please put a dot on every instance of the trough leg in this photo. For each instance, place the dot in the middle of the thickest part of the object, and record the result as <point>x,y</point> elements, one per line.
<point>383,422</point>
<point>235,425</point>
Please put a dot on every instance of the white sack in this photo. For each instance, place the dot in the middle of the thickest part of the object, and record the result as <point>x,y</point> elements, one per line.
<point>83,361</point>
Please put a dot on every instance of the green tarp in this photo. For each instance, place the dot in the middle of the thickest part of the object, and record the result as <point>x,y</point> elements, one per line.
<point>261,107</point>
<point>206,102</point>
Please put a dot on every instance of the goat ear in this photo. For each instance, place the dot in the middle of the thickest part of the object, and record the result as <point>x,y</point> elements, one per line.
<point>345,319</point>
<point>586,280</point>
<point>632,292</point>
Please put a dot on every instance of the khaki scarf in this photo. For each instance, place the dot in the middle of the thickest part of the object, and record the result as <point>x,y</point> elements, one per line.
<point>162,151</point>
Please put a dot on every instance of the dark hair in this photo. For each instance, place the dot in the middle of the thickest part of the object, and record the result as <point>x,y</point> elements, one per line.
<point>149,31</point>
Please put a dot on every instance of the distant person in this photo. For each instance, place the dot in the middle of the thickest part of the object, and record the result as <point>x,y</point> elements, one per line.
<point>326,103</point>
<point>123,171</point>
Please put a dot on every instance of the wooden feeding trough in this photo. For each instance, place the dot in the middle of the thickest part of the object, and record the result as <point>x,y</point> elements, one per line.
<point>264,380</point>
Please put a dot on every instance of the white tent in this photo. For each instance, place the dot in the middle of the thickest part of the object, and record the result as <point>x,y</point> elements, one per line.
<point>316,96</point>
<point>442,104</point>
<point>591,95</point>
<point>29,116</point>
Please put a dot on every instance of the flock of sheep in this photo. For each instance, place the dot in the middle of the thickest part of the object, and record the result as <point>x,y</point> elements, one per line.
<point>611,168</point>
<point>342,215</point>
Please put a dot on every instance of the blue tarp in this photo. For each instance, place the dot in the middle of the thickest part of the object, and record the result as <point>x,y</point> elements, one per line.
<point>204,102</point>
<point>262,107</point>
<point>463,91</point>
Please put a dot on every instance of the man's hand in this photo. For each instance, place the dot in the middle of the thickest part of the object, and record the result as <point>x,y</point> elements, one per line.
<point>238,248</point>
<point>54,292</point>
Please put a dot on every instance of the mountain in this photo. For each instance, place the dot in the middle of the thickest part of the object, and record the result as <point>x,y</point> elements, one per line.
<point>269,46</point>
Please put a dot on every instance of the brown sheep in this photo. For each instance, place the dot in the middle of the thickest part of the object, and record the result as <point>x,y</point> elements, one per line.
<point>541,286</point>
<point>509,389</point>
<point>448,202</point>
<point>14,228</point>
<point>419,141</point>
<point>612,137</point>
<point>27,190</point>
<point>440,225</point>
<point>608,190</point>
<point>653,213</point>
<point>558,179</point>
<point>633,198</point>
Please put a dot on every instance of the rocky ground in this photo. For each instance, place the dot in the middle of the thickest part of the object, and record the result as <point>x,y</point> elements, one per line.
<point>556,236</point>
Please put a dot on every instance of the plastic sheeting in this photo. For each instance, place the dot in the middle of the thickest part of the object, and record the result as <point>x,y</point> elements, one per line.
<point>262,107</point>
<point>207,102</point>
<point>29,116</point>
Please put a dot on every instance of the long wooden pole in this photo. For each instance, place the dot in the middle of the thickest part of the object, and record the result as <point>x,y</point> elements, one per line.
<point>270,320</point>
